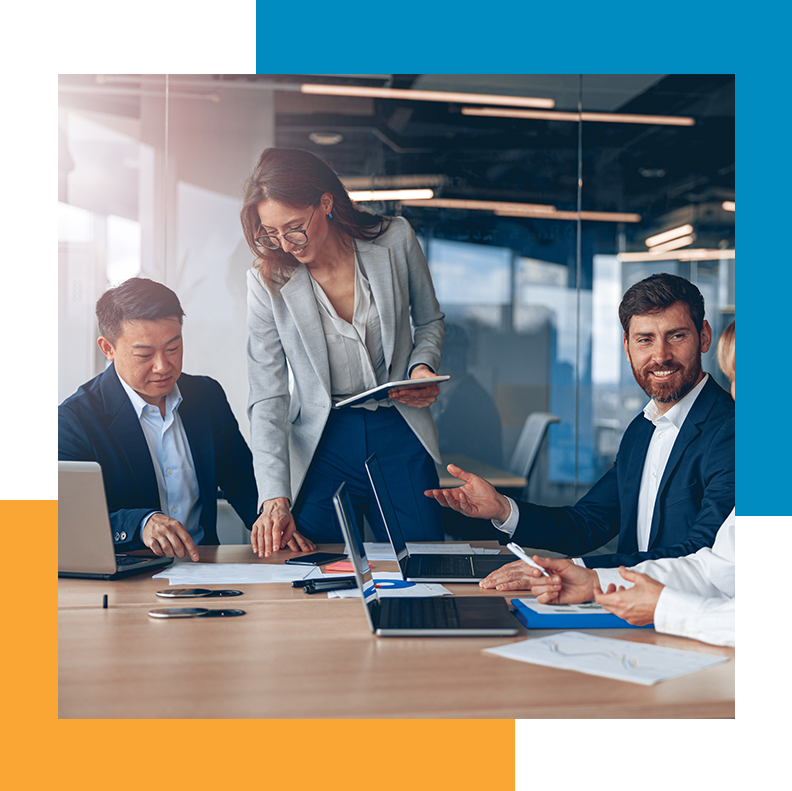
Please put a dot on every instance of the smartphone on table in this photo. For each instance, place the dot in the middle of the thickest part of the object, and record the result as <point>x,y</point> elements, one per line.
<point>316,559</point>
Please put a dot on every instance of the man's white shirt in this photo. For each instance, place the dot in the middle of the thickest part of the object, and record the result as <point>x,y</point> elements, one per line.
<point>177,482</point>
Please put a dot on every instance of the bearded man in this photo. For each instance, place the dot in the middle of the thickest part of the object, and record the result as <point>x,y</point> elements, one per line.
<point>672,484</point>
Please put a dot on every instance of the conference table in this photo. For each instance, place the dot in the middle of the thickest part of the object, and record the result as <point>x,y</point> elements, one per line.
<point>294,655</point>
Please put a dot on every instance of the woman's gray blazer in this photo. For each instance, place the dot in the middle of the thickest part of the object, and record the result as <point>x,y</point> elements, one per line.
<point>288,366</point>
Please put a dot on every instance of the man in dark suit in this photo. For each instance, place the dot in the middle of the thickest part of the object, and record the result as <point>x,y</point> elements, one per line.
<point>672,484</point>
<point>165,440</point>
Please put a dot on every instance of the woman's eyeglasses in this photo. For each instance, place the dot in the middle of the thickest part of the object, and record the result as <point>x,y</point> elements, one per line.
<point>272,241</point>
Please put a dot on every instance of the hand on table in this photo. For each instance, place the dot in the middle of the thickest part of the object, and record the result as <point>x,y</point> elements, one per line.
<point>165,536</point>
<point>418,397</point>
<point>477,498</point>
<point>275,529</point>
<point>517,576</point>
<point>637,604</point>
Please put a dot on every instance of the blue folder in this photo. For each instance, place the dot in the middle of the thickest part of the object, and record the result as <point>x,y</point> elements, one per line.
<point>597,619</point>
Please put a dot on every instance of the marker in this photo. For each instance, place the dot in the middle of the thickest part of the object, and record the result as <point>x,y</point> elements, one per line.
<point>104,602</point>
<point>525,558</point>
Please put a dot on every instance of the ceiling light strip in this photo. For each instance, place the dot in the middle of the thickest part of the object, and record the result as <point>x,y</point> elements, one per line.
<point>377,195</point>
<point>483,205</point>
<point>667,236</point>
<point>425,96</point>
<point>405,181</point>
<point>695,254</point>
<point>615,118</point>
<point>674,244</point>
<point>538,210</point>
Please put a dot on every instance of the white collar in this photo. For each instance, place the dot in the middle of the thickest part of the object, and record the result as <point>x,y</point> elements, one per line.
<point>679,412</point>
<point>172,400</point>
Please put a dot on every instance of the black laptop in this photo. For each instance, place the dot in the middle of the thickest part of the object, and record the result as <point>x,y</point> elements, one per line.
<point>419,616</point>
<point>427,568</point>
<point>85,540</point>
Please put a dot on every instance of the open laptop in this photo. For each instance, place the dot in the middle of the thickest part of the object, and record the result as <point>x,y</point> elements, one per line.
<point>419,616</point>
<point>85,540</point>
<point>427,568</point>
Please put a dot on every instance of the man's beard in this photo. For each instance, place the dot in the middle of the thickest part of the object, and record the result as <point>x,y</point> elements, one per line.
<point>684,380</point>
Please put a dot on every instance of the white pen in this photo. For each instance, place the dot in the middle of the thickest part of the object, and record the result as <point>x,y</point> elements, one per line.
<point>520,554</point>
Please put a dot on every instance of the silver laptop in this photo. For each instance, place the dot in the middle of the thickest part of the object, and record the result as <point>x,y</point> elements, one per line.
<point>428,567</point>
<point>419,616</point>
<point>85,540</point>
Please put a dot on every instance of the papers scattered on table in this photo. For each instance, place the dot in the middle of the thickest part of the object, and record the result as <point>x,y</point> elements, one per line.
<point>382,551</point>
<point>197,574</point>
<point>390,583</point>
<point>379,551</point>
<point>603,656</point>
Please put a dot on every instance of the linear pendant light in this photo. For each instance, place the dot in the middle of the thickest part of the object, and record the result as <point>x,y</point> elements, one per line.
<point>667,236</point>
<point>536,210</point>
<point>615,118</point>
<point>674,244</point>
<point>693,254</point>
<point>401,195</point>
<point>425,96</point>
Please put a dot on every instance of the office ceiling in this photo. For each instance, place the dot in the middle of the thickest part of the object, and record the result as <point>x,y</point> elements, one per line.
<point>667,174</point>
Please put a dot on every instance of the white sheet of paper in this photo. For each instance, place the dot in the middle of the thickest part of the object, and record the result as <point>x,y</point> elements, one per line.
<point>196,574</point>
<point>382,551</point>
<point>604,656</point>
<point>440,549</point>
<point>379,551</point>
<point>401,588</point>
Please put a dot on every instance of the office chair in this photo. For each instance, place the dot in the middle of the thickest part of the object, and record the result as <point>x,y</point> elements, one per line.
<point>526,450</point>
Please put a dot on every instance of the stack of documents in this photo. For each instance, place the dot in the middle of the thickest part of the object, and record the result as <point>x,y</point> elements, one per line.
<point>383,551</point>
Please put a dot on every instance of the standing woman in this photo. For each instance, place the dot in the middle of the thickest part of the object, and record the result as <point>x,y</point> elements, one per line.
<point>331,299</point>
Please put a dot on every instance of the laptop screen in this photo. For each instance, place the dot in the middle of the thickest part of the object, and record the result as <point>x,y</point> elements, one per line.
<point>388,512</point>
<point>357,553</point>
<point>85,538</point>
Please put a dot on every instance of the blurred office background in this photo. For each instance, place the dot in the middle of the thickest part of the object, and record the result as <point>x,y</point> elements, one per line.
<point>543,198</point>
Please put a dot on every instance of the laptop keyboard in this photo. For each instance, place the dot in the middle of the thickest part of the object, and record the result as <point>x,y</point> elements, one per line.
<point>441,565</point>
<point>418,613</point>
<point>128,560</point>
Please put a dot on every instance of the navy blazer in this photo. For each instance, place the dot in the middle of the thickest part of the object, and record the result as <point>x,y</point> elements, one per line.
<point>695,496</point>
<point>98,423</point>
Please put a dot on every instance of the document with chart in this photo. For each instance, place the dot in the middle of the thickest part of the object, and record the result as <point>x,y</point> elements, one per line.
<point>623,660</point>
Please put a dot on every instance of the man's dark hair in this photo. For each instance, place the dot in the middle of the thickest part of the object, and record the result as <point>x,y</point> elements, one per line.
<point>658,292</point>
<point>135,299</point>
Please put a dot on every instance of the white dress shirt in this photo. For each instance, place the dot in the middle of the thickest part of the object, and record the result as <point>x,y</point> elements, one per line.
<point>177,483</point>
<point>354,351</point>
<point>666,430</point>
<point>698,598</point>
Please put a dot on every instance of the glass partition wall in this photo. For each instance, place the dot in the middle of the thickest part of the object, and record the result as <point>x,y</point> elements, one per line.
<point>537,213</point>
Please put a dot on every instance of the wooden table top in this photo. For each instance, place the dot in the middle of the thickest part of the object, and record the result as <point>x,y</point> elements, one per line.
<point>298,656</point>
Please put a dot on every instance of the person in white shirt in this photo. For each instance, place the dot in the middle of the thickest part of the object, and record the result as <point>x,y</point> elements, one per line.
<point>672,483</point>
<point>691,596</point>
